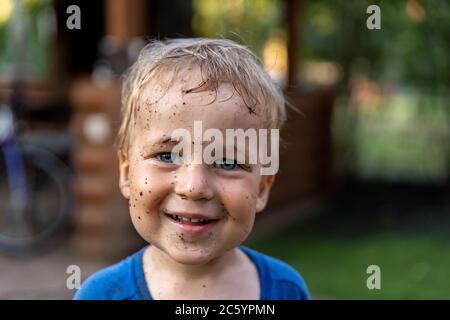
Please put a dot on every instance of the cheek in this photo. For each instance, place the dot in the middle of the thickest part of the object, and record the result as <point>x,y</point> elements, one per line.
<point>238,203</point>
<point>239,200</point>
<point>148,188</point>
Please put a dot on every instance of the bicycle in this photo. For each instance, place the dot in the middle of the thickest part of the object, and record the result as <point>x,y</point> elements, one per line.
<point>35,192</point>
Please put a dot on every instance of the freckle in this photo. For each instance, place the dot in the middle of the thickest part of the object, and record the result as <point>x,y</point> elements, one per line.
<point>140,193</point>
<point>139,217</point>
<point>134,205</point>
<point>203,285</point>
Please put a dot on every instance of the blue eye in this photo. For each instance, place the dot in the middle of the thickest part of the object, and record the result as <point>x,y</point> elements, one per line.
<point>226,164</point>
<point>166,157</point>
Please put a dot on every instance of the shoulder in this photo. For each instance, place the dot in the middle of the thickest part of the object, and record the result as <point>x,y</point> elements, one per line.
<point>115,282</point>
<point>282,281</point>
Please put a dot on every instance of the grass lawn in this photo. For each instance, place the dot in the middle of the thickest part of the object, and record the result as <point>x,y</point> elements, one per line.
<point>334,264</point>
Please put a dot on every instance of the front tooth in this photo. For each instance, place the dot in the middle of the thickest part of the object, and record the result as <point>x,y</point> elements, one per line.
<point>184,219</point>
<point>195,220</point>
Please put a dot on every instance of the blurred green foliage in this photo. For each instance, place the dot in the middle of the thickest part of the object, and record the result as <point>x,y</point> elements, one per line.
<point>404,136</point>
<point>245,21</point>
<point>406,139</point>
<point>411,47</point>
<point>27,38</point>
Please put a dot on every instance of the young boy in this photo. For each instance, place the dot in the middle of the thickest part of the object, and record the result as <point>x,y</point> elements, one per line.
<point>194,215</point>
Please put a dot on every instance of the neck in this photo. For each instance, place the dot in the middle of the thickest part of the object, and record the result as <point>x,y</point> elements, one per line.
<point>159,260</point>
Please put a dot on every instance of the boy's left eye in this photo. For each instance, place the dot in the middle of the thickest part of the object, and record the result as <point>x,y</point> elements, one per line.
<point>167,157</point>
<point>226,164</point>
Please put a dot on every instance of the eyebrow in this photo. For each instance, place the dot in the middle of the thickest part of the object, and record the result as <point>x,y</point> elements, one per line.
<point>160,142</point>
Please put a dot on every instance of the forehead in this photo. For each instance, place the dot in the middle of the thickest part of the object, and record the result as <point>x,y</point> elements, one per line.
<point>163,110</point>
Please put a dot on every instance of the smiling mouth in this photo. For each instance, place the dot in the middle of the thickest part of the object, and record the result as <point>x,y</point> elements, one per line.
<point>190,221</point>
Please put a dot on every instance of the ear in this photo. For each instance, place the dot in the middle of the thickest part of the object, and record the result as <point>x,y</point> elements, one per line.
<point>124,183</point>
<point>264,191</point>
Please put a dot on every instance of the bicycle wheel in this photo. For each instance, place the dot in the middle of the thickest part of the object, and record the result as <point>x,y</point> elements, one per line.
<point>46,215</point>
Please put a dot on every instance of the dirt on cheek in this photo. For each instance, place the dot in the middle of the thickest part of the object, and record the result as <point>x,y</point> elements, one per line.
<point>235,220</point>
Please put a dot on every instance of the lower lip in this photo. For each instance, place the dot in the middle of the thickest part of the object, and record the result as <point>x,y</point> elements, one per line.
<point>193,229</point>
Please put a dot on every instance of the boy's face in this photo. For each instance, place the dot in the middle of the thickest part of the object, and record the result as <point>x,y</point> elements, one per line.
<point>159,189</point>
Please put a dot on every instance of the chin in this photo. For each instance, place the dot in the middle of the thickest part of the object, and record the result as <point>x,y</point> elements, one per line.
<point>191,257</point>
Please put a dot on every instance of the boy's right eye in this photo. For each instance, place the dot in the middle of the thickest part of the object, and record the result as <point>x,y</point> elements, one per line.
<point>167,157</point>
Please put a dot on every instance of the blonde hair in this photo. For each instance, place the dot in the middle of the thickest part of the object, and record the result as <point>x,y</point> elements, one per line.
<point>219,60</point>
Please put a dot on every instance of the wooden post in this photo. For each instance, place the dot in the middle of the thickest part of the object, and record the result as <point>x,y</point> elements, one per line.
<point>125,19</point>
<point>292,14</point>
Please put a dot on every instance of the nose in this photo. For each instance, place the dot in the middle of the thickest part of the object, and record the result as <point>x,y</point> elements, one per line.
<point>192,182</point>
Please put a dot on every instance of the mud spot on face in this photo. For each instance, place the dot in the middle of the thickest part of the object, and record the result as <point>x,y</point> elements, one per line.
<point>181,236</point>
<point>225,212</point>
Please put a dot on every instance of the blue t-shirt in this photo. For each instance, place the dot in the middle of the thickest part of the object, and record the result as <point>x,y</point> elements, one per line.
<point>126,281</point>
